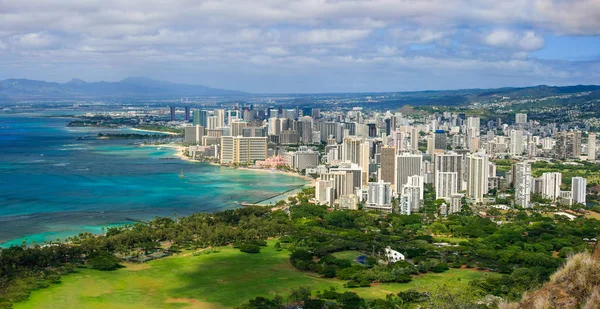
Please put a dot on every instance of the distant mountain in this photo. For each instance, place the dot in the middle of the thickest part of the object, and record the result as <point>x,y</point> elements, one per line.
<point>128,87</point>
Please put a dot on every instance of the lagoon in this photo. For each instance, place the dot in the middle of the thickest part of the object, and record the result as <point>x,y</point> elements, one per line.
<point>53,185</point>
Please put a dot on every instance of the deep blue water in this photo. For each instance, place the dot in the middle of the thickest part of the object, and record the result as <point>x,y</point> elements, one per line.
<point>53,185</point>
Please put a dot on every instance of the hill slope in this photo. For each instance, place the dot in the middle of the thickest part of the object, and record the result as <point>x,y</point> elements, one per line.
<point>129,87</point>
<point>575,285</point>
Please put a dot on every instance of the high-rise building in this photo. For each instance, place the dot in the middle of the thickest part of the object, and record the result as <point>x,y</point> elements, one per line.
<point>196,117</point>
<point>305,129</point>
<point>305,158</point>
<point>450,162</point>
<point>578,190</point>
<point>404,204</point>
<point>237,127</point>
<point>414,192</point>
<point>193,134</point>
<point>413,136</point>
<point>355,170</point>
<point>407,165</point>
<point>441,141</point>
<point>289,137</point>
<point>321,195</point>
<point>388,164</point>
<point>238,149</point>
<point>351,149</point>
<point>172,108</point>
<point>274,126</point>
<point>568,144</point>
<point>254,132</point>
<point>522,184</point>
<point>516,142</point>
<point>379,195</point>
<point>333,129</point>
<point>220,115</point>
<point>551,185</point>
<point>520,118</point>
<point>342,182</point>
<point>187,113</point>
<point>372,129</point>
<point>477,176</point>
<point>591,146</point>
<point>445,184</point>
<point>203,118</point>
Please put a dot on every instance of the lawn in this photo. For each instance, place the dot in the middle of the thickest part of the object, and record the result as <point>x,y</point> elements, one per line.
<point>217,280</point>
<point>348,255</point>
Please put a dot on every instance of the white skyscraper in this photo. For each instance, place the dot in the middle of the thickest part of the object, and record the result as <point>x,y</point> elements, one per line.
<point>522,183</point>
<point>274,126</point>
<point>220,114</point>
<point>450,162</point>
<point>477,176</point>
<point>414,192</point>
<point>578,190</point>
<point>342,183</point>
<point>379,195</point>
<point>238,149</point>
<point>445,184</point>
<point>404,204</point>
<point>413,135</point>
<point>407,165</point>
<point>551,185</point>
<point>516,142</point>
<point>592,146</point>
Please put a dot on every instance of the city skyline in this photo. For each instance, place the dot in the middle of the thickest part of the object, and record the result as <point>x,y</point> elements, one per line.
<point>306,47</point>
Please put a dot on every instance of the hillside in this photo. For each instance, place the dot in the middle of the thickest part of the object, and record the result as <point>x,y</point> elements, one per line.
<point>128,87</point>
<point>575,285</point>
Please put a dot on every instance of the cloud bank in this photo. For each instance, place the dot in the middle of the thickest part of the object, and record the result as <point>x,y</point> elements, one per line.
<point>299,46</point>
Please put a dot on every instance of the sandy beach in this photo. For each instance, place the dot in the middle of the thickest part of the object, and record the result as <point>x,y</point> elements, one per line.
<point>178,152</point>
<point>153,131</point>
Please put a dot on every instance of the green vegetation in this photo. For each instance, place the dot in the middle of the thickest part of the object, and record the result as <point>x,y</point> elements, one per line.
<point>216,280</point>
<point>129,136</point>
<point>584,169</point>
<point>160,128</point>
<point>315,248</point>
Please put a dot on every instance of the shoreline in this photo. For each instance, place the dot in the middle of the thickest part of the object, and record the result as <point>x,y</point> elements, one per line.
<point>179,154</point>
<point>153,131</point>
<point>310,182</point>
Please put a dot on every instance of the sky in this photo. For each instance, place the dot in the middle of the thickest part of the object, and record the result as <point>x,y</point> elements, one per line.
<point>305,46</point>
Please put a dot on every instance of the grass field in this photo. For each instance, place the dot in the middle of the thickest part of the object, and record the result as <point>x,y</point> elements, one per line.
<point>348,255</point>
<point>212,281</point>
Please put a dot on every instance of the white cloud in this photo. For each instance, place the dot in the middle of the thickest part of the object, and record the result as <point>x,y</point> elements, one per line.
<point>276,51</point>
<point>330,36</point>
<point>34,40</point>
<point>300,36</point>
<point>527,41</point>
<point>387,50</point>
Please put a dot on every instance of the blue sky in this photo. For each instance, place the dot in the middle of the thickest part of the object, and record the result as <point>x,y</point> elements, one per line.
<point>305,45</point>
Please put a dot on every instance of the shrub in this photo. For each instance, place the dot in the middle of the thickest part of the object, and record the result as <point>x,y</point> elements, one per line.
<point>329,272</point>
<point>103,260</point>
<point>302,255</point>
<point>250,248</point>
<point>440,268</point>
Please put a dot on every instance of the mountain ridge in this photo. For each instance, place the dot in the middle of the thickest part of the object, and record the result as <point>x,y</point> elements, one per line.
<point>15,88</point>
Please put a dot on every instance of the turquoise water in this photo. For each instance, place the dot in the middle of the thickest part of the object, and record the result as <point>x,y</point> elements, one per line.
<point>54,186</point>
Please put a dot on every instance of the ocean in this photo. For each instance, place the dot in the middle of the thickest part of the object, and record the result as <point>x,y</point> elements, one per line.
<point>53,185</point>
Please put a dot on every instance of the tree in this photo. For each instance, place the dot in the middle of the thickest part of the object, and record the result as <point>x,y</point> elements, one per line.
<point>262,303</point>
<point>103,260</point>
<point>350,300</point>
<point>300,294</point>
